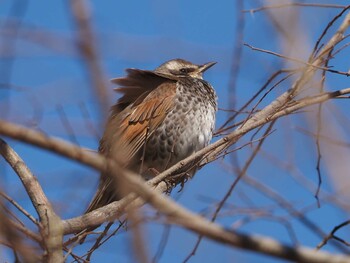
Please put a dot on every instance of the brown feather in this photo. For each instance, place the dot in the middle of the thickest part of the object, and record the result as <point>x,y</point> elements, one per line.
<point>141,121</point>
<point>138,82</point>
<point>132,121</point>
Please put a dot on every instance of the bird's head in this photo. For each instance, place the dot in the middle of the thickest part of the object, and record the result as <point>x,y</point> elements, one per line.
<point>183,68</point>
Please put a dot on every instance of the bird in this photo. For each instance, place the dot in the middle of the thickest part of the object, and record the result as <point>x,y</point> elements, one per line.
<point>162,116</point>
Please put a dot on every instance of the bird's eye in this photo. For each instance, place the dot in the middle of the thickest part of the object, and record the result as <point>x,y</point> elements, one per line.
<point>184,70</point>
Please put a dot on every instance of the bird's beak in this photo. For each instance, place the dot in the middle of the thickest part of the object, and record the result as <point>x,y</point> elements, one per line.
<point>206,66</point>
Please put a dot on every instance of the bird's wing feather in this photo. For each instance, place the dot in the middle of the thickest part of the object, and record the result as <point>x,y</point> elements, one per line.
<point>136,86</point>
<point>140,121</point>
<point>145,102</point>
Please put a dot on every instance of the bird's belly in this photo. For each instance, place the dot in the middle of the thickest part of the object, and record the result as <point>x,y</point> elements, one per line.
<point>182,133</point>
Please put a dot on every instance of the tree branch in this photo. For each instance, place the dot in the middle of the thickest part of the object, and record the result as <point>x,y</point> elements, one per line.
<point>51,224</point>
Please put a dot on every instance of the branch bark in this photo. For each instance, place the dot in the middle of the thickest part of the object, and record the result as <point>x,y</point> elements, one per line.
<point>51,225</point>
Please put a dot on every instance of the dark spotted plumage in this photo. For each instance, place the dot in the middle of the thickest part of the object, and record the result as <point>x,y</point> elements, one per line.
<point>162,117</point>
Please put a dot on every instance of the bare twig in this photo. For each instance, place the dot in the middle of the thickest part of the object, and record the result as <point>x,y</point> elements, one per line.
<point>316,47</point>
<point>12,232</point>
<point>331,235</point>
<point>263,8</point>
<point>19,207</point>
<point>230,119</point>
<point>296,60</point>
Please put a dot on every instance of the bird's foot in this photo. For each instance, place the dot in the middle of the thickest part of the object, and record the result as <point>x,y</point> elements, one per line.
<point>174,180</point>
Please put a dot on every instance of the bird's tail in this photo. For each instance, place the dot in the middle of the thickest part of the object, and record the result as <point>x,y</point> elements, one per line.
<point>105,194</point>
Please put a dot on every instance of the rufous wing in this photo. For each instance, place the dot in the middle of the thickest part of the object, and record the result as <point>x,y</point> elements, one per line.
<point>127,132</point>
<point>138,122</point>
<point>142,91</point>
<point>136,86</point>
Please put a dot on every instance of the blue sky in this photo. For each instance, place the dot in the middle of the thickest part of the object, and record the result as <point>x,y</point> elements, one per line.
<point>49,75</point>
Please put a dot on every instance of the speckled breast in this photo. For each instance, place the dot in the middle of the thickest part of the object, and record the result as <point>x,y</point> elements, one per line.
<point>185,130</point>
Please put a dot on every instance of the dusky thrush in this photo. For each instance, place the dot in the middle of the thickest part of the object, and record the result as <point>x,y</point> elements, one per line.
<point>162,117</point>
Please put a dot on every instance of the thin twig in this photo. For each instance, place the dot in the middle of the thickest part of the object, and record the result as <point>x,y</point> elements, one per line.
<point>263,8</point>
<point>19,207</point>
<point>331,234</point>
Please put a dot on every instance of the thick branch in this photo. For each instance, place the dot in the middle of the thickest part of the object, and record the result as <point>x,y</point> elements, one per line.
<point>51,224</point>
